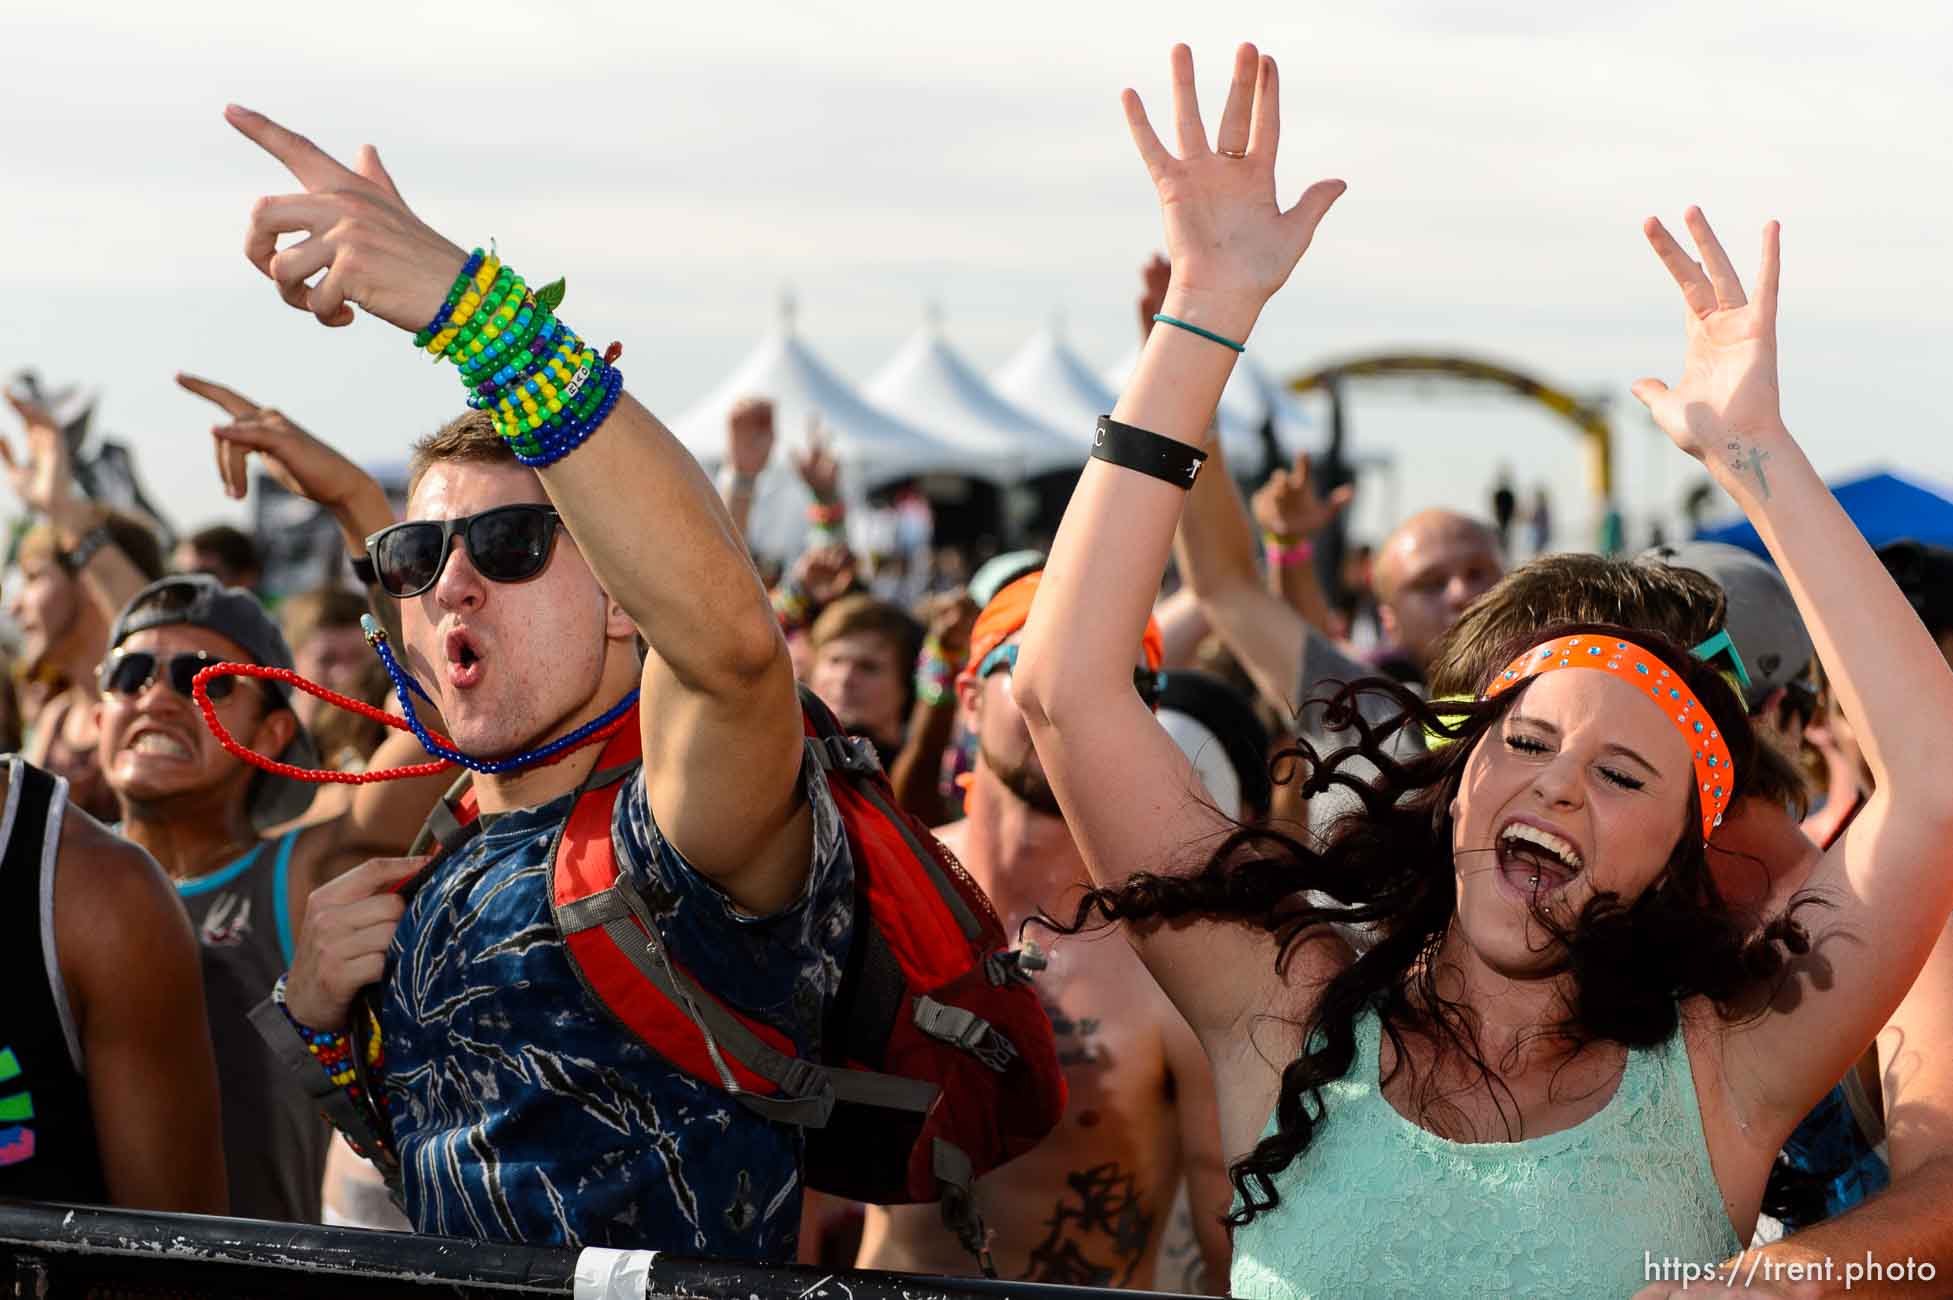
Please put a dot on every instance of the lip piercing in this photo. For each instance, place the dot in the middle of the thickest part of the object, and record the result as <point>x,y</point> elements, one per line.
<point>1534,882</point>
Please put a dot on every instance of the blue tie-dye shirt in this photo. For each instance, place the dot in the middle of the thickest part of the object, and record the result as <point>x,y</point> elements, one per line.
<point>523,1113</point>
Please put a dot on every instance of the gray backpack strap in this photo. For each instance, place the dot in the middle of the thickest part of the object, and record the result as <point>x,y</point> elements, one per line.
<point>956,1178</point>
<point>811,1090</point>
<point>339,1109</point>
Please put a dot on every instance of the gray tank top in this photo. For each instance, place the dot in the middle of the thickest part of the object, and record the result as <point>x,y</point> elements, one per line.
<point>274,1140</point>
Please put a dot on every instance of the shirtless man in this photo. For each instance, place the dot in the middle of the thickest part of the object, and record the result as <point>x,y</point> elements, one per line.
<point>1089,1204</point>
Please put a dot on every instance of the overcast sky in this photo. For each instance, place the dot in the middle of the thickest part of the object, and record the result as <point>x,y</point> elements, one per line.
<point>681,165</point>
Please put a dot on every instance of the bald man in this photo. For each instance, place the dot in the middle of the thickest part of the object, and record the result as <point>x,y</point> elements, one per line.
<point>1434,564</point>
<point>1427,571</point>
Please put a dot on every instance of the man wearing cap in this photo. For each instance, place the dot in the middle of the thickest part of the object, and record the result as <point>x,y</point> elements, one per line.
<point>1089,1205</point>
<point>204,815</point>
<point>1762,642</point>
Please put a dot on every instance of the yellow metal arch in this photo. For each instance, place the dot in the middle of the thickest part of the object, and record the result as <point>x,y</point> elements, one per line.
<point>1590,423</point>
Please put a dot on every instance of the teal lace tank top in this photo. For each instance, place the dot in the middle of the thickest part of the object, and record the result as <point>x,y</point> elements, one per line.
<point>1378,1207</point>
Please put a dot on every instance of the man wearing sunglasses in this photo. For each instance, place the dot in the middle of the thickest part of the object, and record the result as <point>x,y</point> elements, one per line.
<point>209,818</point>
<point>1090,1203</point>
<point>519,1109</point>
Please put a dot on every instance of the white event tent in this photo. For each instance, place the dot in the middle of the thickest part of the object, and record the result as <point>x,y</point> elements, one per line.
<point>874,448</point>
<point>1046,378</point>
<point>928,385</point>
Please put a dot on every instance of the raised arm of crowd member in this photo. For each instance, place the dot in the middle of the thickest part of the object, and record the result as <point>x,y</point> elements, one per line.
<point>129,962</point>
<point>1129,795</point>
<point>306,467</point>
<point>916,773</point>
<point>749,445</point>
<point>44,481</point>
<point>381,817</point>
<point>1291,514</point>
<point>1887,878</point>
<point>720,718</point>
<point>1214,549</point>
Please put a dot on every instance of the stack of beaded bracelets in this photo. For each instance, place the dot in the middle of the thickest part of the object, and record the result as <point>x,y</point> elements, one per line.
<point>333,1049</point>
<point>544,387</point>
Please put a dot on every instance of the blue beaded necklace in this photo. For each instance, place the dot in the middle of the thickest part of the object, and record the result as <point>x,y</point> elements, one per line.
<point>405,687</point>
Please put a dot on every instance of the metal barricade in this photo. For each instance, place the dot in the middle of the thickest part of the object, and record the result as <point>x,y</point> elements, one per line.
<point>91,1253</point>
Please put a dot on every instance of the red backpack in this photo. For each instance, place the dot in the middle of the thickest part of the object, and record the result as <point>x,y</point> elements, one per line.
<point>938,1060</point>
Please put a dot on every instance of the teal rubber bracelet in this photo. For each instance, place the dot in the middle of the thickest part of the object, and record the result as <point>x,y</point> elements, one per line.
<point>1195,329</point>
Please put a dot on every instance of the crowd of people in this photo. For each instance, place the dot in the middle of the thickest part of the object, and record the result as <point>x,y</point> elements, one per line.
<point>1382,953</point>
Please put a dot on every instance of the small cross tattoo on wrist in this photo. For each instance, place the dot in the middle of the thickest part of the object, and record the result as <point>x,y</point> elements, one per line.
<point>1740,460</point>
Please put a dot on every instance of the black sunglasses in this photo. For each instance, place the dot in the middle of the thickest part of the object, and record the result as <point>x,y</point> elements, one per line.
<point>129,672</point>
<point>506,544</point>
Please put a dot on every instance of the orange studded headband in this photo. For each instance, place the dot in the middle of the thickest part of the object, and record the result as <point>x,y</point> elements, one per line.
<point>1714,772</point>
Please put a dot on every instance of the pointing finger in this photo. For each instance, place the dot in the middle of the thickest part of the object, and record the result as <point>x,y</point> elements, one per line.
<point>315,169</point>
<point>233,402</point>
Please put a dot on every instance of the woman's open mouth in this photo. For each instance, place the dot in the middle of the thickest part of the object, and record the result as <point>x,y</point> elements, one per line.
<point>1534,861</point>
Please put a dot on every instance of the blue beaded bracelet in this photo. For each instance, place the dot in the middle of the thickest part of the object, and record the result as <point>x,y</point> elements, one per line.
<point>435,326</point>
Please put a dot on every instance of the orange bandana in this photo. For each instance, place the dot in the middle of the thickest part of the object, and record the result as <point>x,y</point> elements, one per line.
<point>1714,771</point>
<point>1008,610</point>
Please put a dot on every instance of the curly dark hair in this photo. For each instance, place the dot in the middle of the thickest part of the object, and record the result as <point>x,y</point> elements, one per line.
<point>1388,866</point>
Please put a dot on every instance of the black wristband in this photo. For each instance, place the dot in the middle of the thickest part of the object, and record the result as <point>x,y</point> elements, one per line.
<point>74,560</point>
<point>363,570</point>
<point>1163,458</point>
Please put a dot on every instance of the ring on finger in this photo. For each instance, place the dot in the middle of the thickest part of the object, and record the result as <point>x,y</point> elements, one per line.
<point>1229,153</point>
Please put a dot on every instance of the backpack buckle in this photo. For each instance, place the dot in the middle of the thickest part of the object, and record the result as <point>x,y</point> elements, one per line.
<point>961,1027</point>
<point>851,754</point>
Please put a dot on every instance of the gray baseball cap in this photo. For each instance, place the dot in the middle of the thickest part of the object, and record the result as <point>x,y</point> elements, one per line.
<point>1763,621</point>
<point>199,600</point>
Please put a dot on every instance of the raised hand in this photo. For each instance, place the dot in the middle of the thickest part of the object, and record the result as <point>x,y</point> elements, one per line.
<point>300,462</point>
<point>749,436</point>
<point>374,251</point>
<point>951,617</point>
<point>817,467</point>
<point>44,478</point>
<point>1230,243</point>
<point>1288,504</point>
<point>1726,400</point>
<point>825,573</point>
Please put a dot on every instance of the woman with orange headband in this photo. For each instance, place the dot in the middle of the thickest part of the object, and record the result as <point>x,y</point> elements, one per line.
<point>1565,1065</point>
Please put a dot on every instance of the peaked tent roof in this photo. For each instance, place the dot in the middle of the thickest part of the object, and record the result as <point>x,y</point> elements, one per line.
<point>1048,379</point>
<point>1886,507</point>
<point>930,386</point>
<point>874,448</point>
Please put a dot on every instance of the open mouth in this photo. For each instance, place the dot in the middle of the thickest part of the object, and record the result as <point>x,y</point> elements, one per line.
<point>1534,860</point>
<point>464,659</point>
<point>153,743</point>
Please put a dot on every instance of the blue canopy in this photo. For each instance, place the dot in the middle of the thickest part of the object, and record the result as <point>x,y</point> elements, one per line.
<point>1885,506</point>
